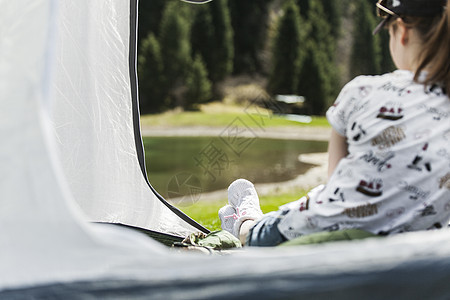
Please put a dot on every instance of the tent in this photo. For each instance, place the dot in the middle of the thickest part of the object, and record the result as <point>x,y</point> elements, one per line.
<point>71,161</point>
<point>97,119</point>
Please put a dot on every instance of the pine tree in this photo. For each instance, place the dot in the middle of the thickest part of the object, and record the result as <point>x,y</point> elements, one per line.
<point>320,32</point>
<point>366,50</point>
<point>386,63</point>
<point>315,84</point>
<point>223,51</point>
<point>197,83</point>
<point>250,26</point>
<point>333,13</point>
<point>212,38</point>
<point>150,13</point>
<point>175,49</point>
<point>152,86</point>
<point>304,7</point>
<point>202,34</point>
<point>288,52</point>
<point>320,62</point>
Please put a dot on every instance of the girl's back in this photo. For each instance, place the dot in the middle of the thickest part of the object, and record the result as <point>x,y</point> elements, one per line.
<point>398,167</point>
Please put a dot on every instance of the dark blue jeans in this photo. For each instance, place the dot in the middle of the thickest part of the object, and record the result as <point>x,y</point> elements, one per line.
<point>265,233</point>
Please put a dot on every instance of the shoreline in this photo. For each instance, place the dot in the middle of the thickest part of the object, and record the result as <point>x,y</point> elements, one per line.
<point>314,176</point>
<point>290,132</point>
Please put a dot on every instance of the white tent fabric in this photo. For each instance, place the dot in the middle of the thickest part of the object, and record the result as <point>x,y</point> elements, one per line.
<point>48,250</point>
<point>41,240</point>
<point>93,102</point>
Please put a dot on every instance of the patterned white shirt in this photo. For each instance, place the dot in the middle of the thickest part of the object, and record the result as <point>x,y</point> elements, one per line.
<point>396,177</point>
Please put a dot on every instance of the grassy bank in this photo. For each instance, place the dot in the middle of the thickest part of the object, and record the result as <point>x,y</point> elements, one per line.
<point>205,212</point>
<point>220,115</point>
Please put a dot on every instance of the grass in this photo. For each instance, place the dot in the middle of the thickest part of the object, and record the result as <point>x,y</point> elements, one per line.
<point>205,212</point>
<point>217,115</point>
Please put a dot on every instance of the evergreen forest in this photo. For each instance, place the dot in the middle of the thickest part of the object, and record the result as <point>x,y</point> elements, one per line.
<point>192,54</point>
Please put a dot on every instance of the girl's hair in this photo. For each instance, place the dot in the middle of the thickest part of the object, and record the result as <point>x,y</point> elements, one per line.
<point>435,55</point>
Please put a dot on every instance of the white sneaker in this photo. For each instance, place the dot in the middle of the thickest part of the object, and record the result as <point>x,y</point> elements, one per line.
<point>243,197</point>
<point>228,217</point>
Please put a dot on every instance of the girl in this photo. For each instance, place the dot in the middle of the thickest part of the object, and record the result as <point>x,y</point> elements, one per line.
<point>389,152</point>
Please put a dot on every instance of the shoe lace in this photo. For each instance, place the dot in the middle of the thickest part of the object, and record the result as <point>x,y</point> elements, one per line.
<point>235,215</point>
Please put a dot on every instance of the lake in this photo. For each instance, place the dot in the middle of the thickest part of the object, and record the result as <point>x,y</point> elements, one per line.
<point>178,166</point>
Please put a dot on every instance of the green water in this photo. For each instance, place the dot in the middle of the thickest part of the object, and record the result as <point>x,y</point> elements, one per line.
<point>178,166</point>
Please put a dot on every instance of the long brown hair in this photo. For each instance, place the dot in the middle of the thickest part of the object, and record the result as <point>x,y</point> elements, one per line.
<point>435,56</point>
